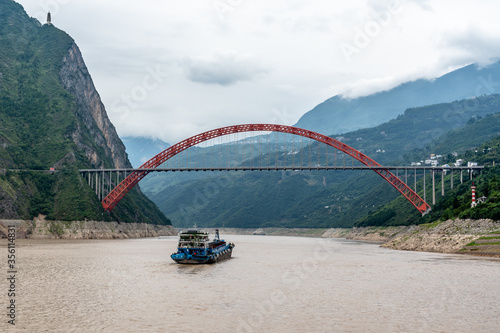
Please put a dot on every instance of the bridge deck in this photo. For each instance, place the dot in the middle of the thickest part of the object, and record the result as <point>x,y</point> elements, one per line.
<point>288,168</point>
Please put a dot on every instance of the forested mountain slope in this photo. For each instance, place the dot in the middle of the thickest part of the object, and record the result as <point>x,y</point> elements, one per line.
<point>51,116</point>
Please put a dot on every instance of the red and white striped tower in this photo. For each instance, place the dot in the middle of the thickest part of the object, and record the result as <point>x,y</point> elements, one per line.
<point>473,188</point>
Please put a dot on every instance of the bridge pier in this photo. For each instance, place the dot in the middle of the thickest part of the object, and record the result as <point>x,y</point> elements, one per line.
<point>433,187</point>
<point>102,181</point>
<point>415,187</point>
<point>117,177</point>
<point>101,186</point>
<point>250,154</point>
<point>442,183</point>
<point>451,179</point>
<point>425,189</point>
<point>97,185</point>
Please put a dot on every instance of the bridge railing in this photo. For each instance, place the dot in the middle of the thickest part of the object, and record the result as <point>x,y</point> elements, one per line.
<point>103,181</point>
<point>257,147</point>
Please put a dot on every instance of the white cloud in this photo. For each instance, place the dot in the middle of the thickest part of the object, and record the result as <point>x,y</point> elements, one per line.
<point>222,68</point>
<point>470,44</point>
<point>285,54</point>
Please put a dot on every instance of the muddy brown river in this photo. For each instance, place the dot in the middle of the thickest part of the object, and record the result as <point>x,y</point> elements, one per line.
<point>272,284</point>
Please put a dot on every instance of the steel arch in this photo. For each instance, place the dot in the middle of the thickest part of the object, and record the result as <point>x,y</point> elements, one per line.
<point>112,199</point>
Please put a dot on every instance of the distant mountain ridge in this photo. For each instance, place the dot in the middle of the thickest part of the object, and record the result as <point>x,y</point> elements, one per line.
<point>140,149</point>
<point>330,198</point>
<point>339,115</point>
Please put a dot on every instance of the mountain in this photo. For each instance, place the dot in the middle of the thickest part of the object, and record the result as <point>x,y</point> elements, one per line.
<point>340,115</point>
<point>140,149</point>
<point>417,127</point>
<point>51,116</point>
<point>455,203</point>
<point>331,198</point>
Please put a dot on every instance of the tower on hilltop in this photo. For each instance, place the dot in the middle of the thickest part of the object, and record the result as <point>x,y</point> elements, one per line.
<point>49,19</point>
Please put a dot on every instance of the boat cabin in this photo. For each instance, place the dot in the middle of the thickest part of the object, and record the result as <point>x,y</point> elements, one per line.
<point>193,239</point>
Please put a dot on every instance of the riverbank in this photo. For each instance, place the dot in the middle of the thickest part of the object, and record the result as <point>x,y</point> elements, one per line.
<point>39,228</point>
<point>477,237</point>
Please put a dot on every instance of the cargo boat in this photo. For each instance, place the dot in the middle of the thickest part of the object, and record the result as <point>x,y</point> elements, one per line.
<point>195,247</point>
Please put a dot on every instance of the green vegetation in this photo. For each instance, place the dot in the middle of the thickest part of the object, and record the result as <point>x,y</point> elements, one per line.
<point>432,224</point>
<point>337,198</point>
<point>489,237</point>
<point>39,121</point>
<point>37,117</point>
<point>455,203</point>
<point>437,129</point>
<point>482,244</point>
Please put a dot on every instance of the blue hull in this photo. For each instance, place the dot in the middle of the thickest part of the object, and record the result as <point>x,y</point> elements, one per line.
<point>181,257</point>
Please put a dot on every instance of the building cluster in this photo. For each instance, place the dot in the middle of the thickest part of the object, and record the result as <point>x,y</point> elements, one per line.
<point>434,160</point>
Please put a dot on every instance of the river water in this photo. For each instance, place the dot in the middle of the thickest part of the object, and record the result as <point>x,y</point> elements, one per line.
<point>272,284</point>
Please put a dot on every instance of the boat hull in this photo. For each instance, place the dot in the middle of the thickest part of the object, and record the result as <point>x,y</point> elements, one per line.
<point>222,256</point>
<point>183,258</point>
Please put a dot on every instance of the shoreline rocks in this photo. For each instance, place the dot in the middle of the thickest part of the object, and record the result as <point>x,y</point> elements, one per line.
<point>39,228</point>
<point>451,236</point>
<point>476,237</point>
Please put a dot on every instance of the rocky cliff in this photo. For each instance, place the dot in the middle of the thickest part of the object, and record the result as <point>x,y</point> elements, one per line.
<point>76,79</point>
<point>52,116</point>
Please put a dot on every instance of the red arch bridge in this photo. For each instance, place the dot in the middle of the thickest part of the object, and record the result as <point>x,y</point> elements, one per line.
<point>266,147</point>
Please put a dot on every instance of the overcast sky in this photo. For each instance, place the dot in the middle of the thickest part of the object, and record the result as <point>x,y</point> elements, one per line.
<point>171,69</point>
